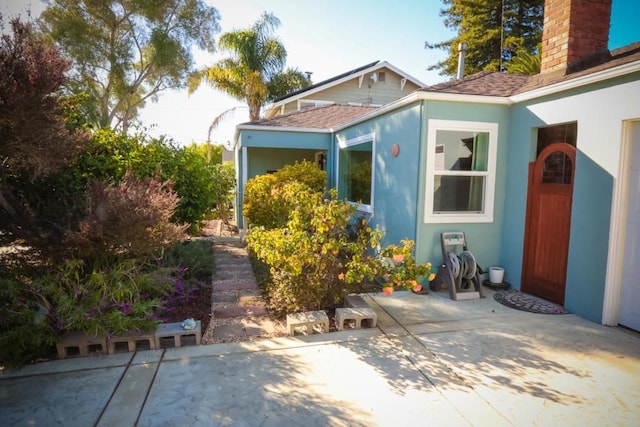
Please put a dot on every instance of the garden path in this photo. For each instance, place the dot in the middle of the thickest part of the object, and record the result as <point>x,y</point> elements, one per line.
<point>239,312</point>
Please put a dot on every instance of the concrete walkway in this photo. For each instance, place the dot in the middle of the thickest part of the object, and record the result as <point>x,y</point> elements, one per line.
<point>430,361</point>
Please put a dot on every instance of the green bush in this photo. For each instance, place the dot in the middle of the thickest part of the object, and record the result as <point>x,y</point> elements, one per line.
<point>319,256</point>
<point>327,250</point>
<point>264,204</point>
<point>192,258</point>
<point>111,299</point>
<point>195,171</point>
<point>25,331</point>
<point>225,183</point>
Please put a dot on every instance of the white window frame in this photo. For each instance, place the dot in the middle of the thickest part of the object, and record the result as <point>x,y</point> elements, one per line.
<point>434,125</point>
<point>346,143</point>
<point>315,102</point>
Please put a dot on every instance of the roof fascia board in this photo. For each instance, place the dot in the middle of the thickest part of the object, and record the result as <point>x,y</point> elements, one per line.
<point>282,129</point>
<point>399,72</point>
<point>426,96</point>
<point>460,97</point>
<point>577,82</point>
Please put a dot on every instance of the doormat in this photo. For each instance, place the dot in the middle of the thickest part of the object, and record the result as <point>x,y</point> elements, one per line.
<point>526,302</point>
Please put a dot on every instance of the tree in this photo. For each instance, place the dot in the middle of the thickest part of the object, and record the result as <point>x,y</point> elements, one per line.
<point>255,72</point>
<point>34,139</point>
<point>482,24</point>
<point>126,52</point>
<point>525,63</point>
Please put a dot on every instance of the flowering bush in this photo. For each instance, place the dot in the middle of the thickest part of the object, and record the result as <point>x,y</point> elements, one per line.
<point>327,251</point>
<point>319,256</point>
<point>399,269</point>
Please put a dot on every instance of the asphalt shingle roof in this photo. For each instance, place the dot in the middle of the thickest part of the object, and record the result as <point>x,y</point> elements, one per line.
<point>490,83</point>
<point>486,83</point>
<point>324,117</point>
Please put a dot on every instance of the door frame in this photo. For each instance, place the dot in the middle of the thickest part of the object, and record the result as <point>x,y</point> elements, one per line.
<point>617,229</point>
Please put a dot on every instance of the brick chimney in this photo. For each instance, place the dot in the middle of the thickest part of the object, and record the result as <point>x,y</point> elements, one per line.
<point>573,30</point>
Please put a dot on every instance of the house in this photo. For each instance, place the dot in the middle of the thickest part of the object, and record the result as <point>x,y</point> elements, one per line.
<point>300,123</point>
<point>374,84</point>
<point>542,173</point>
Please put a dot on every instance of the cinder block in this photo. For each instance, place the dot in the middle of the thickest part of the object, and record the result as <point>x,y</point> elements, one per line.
<point>132,341</point>
<point>356,301</point>
<point>361,316</point>
<point>175,331</point>
<point>309,320</point>
<point>84,344</point>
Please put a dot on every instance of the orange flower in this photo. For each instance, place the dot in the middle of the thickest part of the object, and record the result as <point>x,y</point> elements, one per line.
<point>387,290</point>
<point>432,276</point>
<point>417,288</point>
<point>341,276</point>
<point>398,258</point>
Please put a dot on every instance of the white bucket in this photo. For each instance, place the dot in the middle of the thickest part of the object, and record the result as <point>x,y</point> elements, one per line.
<point>496,275</point>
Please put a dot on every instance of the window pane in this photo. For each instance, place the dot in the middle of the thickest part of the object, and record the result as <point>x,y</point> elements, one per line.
<point>462,150</point>
<point>458,194</point>
<point>355,173</point>
<point>557,169</point>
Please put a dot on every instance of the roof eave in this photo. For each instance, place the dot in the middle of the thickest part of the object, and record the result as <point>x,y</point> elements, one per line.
<point>611,73</point>
<point>282,129</point>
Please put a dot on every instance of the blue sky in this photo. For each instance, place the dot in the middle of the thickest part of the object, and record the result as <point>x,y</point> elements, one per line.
<point>326,37</point>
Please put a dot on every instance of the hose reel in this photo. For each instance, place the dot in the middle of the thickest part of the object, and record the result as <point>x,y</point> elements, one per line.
<point>460,271</point>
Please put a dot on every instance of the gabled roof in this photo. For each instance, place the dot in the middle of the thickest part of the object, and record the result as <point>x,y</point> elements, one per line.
<point>326,82</point>
<point>490,83</point>
<point>339,79</point>
<point>324,117</point>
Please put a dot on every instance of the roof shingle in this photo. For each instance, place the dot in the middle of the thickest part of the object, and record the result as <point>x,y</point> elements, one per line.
<point>323,117</point>
<point>491,83</point>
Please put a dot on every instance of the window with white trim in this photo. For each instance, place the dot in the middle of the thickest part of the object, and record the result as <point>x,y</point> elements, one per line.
<point>356,170</point>
<point>461,171</point>
<point>311,103</point>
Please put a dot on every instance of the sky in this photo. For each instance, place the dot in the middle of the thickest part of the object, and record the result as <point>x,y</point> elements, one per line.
<point>326,37</point>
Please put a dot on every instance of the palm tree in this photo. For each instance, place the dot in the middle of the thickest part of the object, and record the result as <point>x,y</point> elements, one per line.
<point>255,71</point>
<point>525,63</point>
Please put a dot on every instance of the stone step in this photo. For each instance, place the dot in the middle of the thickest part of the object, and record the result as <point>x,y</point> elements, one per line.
<point>227,285</point>
<point>233,275</point>
<point>234,266</point>
<point>223,296</point>
<point>238,311</point>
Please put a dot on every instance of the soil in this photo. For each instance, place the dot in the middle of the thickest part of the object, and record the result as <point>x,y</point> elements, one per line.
<point>196,305</point>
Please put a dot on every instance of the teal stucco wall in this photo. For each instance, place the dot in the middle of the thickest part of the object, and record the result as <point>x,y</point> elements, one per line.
<point>599,135</point>
<point>396,185</point>
<point>483,239</point>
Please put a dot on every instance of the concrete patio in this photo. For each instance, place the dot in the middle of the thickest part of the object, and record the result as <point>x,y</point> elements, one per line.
<point>430,361</point>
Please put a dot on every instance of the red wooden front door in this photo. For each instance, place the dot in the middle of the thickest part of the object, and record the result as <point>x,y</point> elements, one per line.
<point>548,222</point>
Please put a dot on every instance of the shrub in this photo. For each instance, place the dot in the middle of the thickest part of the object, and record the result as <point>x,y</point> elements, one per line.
<point>263,203</point>
<point>128,219</point>
<point>326,251</point>
<point>225,182</point>
<point>25,331</point>
<point>317,258</point>
<point>110,299</point>
<point>192,258</point>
